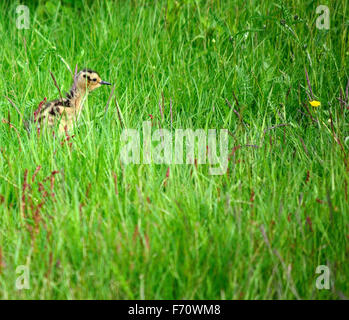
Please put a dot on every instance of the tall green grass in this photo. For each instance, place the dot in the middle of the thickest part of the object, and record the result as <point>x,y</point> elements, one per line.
<point>90,227</point>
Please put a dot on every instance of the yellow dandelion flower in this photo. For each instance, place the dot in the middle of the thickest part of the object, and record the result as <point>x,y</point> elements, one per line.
<point>315,103</point>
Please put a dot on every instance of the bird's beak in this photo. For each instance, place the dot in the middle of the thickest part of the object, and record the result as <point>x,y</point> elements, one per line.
<point>105,82</point>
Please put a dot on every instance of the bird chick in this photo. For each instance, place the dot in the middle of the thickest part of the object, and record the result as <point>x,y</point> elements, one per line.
<point>66,111</point>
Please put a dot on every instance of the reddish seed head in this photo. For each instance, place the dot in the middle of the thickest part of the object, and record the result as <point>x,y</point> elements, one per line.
<point>36,172</point>
<point>37,111</point>
<point>41,187</point>
<point>233,152</point>
<point>252,196</point>
<point>115,177</point>
<point>147,241</point>
<point>88,190</point>
<point>309,223</point>
<point>52,182</point>
<point>25,184</point>
<point>135,234</point>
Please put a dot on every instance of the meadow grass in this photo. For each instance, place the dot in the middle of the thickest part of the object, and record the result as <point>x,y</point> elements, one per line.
<point>90,227</point>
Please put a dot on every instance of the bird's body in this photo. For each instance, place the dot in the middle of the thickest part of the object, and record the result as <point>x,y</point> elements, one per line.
<point>66,111</point>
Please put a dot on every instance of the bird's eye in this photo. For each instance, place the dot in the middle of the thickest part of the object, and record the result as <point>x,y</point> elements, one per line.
<point>84,75</point>
<point>94,79</point>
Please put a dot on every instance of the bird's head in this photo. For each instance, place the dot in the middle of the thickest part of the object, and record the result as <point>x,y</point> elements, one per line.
<point>88,79</point>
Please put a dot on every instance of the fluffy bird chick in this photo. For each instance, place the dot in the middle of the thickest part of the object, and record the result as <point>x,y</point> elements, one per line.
<point>66,111</point>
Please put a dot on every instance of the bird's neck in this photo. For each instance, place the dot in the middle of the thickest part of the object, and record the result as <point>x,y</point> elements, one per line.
<point>75,98</point>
